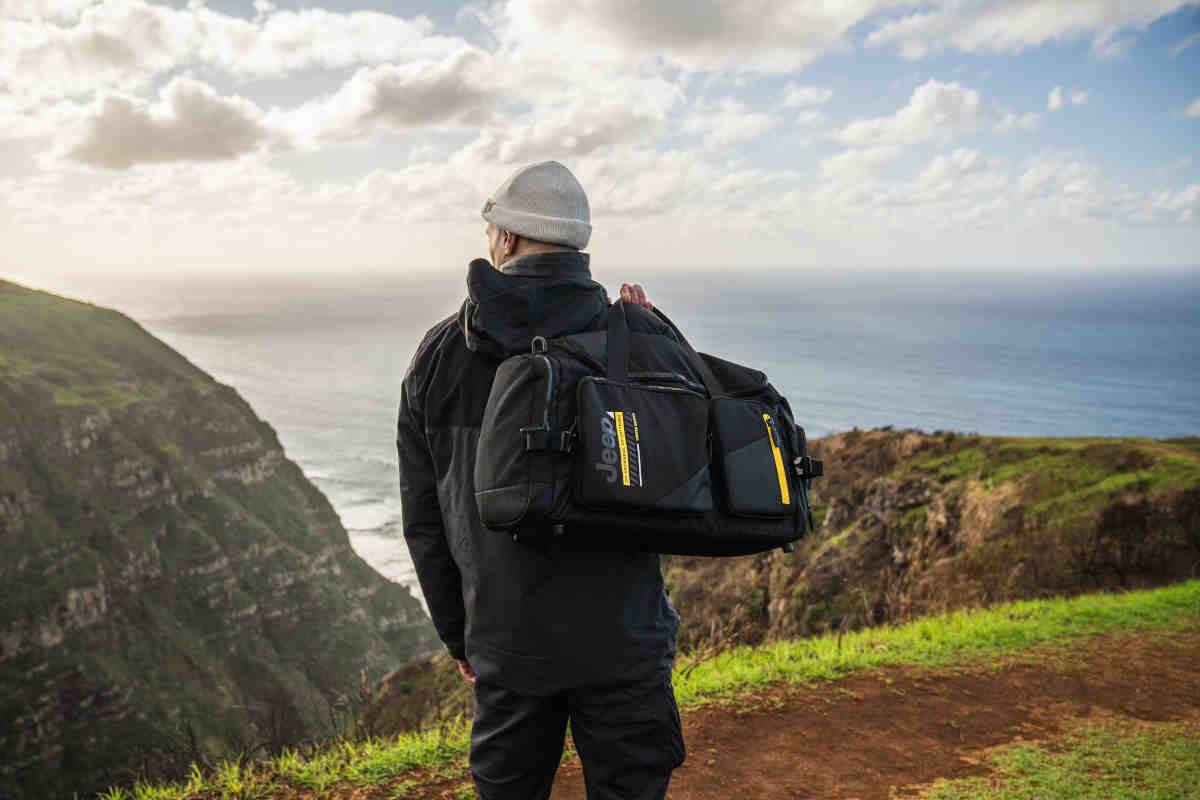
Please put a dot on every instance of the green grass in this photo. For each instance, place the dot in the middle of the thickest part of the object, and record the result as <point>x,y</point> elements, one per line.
<point>1099,762</point>
<point>961,638</point>
<point>964,636</point>
<point>81,355</point>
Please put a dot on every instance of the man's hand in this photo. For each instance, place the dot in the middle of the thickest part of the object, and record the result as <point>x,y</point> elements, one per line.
<point>465,670</point>
<point>634,293</point>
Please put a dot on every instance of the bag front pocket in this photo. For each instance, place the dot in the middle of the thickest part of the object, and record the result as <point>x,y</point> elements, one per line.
<point>642,446</point>
<point>753,457</point>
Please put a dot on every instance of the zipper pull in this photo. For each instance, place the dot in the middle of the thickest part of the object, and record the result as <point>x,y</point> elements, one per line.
<point>785,496</point>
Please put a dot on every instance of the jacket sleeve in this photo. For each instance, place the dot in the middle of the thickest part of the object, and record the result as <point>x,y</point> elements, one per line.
<point>441,581</point>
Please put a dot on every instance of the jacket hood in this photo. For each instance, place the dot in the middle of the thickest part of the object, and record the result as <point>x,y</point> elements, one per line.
<point>541,294</point>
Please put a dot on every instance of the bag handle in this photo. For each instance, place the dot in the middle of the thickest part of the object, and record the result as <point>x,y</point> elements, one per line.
<point>618,349</point>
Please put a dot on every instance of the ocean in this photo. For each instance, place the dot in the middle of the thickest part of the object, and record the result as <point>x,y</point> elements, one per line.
<point>1038,353</point>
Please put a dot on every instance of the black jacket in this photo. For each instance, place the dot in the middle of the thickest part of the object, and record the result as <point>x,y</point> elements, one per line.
<point>534,619</point>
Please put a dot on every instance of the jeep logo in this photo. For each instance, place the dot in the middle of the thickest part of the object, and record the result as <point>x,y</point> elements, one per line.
<point>608,449</point>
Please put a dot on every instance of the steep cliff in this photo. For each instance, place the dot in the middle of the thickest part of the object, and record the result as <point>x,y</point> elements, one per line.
<point>173,586</point>
<point>913,523</point>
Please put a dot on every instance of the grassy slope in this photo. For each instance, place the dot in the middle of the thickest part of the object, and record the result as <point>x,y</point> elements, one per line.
<point>958,638</point>
<point>82,354</point>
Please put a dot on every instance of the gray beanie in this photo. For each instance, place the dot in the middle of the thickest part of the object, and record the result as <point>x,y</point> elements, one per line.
<point>543,202</point>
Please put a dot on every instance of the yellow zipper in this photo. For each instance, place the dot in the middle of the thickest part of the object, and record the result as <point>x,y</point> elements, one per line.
<point>784,494</point>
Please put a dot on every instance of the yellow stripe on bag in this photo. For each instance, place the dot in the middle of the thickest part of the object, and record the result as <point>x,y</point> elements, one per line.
<point>784,494</point>
<point>622,445</point>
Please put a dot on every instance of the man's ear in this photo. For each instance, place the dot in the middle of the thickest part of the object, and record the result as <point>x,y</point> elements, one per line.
<point>509,241</point>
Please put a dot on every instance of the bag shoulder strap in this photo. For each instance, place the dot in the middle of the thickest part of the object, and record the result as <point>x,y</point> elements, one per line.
<point>710,379</point>
<point>618,343</point>
<point>618,349</point>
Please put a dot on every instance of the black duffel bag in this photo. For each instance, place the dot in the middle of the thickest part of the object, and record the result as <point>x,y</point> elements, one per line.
<point>615,439</point>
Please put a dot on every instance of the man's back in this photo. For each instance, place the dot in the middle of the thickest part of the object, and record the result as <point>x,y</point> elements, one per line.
<point>553,636</point>
<point>533,619</point>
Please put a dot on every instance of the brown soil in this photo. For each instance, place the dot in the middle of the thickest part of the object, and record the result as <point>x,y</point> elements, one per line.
<point>871,736</point>
<point>882,735</point>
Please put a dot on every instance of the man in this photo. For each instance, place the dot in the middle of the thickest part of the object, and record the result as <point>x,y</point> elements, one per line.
<point>545,634</point>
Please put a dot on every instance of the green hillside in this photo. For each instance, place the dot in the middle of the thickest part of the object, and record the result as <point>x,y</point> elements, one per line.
<point>175,589</point>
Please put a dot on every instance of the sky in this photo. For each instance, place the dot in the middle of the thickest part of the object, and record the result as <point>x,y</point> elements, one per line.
<point>364,137</point>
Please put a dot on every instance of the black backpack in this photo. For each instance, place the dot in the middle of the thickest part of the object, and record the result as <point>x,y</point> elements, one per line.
<point>615,439</point>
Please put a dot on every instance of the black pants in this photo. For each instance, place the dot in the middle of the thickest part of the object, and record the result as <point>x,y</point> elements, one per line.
<point>628,738</point>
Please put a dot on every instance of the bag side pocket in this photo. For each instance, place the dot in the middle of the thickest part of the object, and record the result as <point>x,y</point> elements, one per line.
<point>510,487</point>
<point>753,458</point>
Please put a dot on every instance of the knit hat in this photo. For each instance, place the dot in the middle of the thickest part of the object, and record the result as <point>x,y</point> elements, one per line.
<point>543,202</point>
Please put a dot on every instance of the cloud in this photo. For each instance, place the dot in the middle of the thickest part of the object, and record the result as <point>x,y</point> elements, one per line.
<point>854,165</point>
<point>457,90</point>
<point>112,44</point>
<point>638,182</point>
<point>1182,206</point>
<point>952,168</point>
<point>726,121</point>
<point>804,96</point>
<point>35,118</point>
<point>967,189</point>
<point>935,110</point>
<point>190,122</point>
<point>577,119</point>
<point>577,129</point>
<point>809,117</point>
<point>53,10</point>
<point>1063,187</point>
<point>123,43</point>
<point>278,42</point>
<point>421,192</point>
<point>1193,110</point>
<point>1058,98</point>
<point>1010,27</point>
<point>775,36</point>
<point>1185,43</point>
<point>1012,121</point>
<point>1112,48</point>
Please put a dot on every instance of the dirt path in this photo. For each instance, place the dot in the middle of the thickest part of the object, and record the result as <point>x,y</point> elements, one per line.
<point>870,737</point>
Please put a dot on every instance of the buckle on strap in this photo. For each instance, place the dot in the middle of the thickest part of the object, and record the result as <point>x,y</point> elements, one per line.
<point>537,437</point>
<point>808,468</point>
<point>566,440</point>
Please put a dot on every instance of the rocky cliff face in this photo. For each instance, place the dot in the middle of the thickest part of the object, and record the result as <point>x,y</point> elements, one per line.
<point>913,523</point>
<point>173,586</point>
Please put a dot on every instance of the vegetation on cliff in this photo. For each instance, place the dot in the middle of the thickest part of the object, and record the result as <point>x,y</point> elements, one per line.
<point>175,589</point>
<point>912,523</point>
